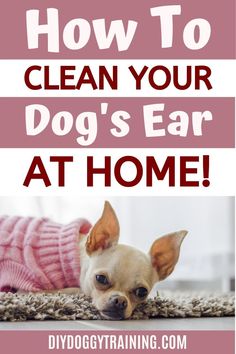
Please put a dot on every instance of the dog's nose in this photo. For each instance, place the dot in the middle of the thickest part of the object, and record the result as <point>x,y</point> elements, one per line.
<point>115,308</point>
<point>118,302</point>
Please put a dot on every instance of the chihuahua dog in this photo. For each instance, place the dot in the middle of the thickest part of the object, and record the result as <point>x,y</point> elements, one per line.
<point>117,277</point>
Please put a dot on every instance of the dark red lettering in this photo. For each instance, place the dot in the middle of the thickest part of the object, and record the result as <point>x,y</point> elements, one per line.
<point>65,77</point>
<point>105,170</point>
<point>199,76</point>
<point>139,171</point>
<point>169,166</point>
<point>27,77</point>
<point>47,84</point>
<point>111,80</point>
<point>89,80</point>
<point>37,163</point>
<point>167,79</point>
<point>188,82</point>
<point>138,77</point>
<point>61,167</point>
<point>184,171</point>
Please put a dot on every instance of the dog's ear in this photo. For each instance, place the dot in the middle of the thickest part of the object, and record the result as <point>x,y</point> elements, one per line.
<point>165,253</point>
<point>105,232</point>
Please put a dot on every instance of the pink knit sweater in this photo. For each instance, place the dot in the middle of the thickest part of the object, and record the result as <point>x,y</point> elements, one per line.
<point>38,254</point>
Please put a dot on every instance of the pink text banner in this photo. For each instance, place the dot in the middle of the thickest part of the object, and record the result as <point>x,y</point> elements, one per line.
<point>189,342</point>
<point>121,29</point>
<point>117,122</point>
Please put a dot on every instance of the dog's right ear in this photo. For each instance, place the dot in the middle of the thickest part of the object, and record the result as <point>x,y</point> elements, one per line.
<point>105,232</point>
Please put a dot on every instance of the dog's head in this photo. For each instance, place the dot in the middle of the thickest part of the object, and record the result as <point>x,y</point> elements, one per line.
<point>119,277</point>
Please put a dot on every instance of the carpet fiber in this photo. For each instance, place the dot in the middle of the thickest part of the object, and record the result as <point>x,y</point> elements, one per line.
<point>19,307</point>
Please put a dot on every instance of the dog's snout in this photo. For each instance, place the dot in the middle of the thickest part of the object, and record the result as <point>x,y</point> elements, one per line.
<point>119,303</point>
<point>116,307</point>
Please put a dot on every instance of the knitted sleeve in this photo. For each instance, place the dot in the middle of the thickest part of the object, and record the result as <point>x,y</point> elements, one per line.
<point>38,254</point>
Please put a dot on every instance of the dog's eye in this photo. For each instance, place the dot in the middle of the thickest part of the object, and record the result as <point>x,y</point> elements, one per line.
<point>141,292</point>
<point>102,279</point>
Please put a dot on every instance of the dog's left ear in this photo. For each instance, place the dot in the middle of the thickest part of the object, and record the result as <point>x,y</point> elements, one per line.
<point>105,232</point>
<point>165,253</point>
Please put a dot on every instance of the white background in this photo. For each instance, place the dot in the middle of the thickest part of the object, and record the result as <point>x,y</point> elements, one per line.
<point>12,78</point>
<point>15,164</point>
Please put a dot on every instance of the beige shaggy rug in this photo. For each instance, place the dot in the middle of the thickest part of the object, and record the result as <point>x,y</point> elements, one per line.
<point>19,307</point>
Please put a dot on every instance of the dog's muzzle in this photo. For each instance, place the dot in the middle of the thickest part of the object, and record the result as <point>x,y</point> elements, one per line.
<point>115,309</point>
